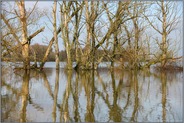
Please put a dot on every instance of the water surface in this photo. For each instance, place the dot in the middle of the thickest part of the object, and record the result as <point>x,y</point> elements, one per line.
<point>91,96</point>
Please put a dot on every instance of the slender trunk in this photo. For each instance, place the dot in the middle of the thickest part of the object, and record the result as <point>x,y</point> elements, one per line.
<point>136,37</point>
<point>65,36</point>
<point>76,39</point>
<point>93,46</point>
<point>136,28</point>
<point>92,24</point>
<point>129,37</point>
<point>115,44</point>
<point>67,46</point>
<point>88,23</point>
<point>164,37</point>
<point>55,36</point>
<point>89,36</point>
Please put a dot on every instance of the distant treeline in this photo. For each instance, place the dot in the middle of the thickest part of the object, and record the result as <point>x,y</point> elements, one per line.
<point>41,49</point>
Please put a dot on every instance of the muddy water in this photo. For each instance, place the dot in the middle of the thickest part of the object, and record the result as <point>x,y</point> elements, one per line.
<point>91,96</point>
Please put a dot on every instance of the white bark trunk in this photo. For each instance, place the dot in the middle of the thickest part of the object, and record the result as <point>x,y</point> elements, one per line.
<point>55,35</point>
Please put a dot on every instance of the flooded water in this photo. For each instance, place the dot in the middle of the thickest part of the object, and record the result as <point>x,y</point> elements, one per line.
<point>91,96</point>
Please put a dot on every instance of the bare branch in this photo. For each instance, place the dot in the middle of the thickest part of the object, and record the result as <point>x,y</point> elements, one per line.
<point>11,29</point>
<point>152,24</point>
<point>35,33</point>
<point>32,9</point>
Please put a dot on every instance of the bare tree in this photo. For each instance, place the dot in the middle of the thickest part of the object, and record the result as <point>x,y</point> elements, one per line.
<point>108,30</point>
<point>66,16</point>
<point>91,16</point>
<point>116,20</point>
<point>23,39</point>
<point>77,30</point>
<point>134,30</point>
<point>168,16</point>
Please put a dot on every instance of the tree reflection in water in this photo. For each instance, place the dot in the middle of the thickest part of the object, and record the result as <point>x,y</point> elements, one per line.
<point>55,95</point>
<point>115,111</point>
<point>91,96</point>
<point>24,95</point>
<point>164,95</point>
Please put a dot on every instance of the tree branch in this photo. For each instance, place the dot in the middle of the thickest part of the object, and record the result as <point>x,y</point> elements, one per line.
<point>11,29</point>
<point>152,24</point>
<point>32,9</point>
<point>35,33</point>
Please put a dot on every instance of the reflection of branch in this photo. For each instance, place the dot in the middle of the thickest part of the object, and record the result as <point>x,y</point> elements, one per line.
<point>47,85</point>
<point>105,99</point>
<point>6,112</point>
<point>102,82</point>
<point>15,91</point>
<point>169,110</point>
<point>36,106</point>
<point>148,88</point>
<point>18,94</point>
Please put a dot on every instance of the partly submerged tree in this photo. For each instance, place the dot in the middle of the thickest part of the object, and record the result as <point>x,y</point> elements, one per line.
<point>166,16</point>
<point>19,32</point>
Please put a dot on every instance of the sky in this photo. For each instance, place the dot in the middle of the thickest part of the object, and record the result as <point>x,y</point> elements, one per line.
<point>44,21</point>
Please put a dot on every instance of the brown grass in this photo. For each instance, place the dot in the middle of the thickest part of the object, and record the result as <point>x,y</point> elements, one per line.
<point>170,68</point>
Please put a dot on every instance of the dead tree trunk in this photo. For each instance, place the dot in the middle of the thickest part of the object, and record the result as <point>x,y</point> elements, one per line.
<point>55,36</point>
<point>25,45</point>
